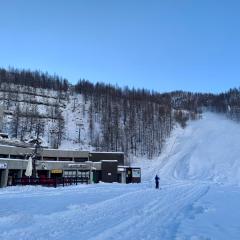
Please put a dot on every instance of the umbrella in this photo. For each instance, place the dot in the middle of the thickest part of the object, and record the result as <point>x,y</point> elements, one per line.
<point>28,172</point>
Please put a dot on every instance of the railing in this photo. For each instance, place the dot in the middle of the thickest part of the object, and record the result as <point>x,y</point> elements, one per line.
<point>50,182</point>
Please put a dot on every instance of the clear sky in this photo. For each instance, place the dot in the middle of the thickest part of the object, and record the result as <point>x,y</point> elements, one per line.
<point>162,45</point>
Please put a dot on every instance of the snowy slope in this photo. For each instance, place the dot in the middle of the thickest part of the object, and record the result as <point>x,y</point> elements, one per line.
<point>198,199</point>
<point>47,104</point>
<point>207,150</point>
<point>76,124</point>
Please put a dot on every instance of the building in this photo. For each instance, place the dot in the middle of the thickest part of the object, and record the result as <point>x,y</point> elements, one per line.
<point>55,163</point>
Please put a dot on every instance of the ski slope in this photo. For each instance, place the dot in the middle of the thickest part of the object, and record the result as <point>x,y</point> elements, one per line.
<point>198,199</point>
<point>206,150</point>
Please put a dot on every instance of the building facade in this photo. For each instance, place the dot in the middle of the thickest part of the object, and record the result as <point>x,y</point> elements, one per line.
<point>55,163</point>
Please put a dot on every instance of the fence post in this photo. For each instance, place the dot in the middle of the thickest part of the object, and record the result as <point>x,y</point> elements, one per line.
<point>55,183</point>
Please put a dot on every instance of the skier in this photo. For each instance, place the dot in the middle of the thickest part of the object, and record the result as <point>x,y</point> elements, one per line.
<point>157,181</point>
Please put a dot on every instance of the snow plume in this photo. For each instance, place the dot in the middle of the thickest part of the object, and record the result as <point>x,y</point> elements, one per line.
<point>206,150</point>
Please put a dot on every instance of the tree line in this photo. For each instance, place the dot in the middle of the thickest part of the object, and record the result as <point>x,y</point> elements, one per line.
<point>35,79</point>
<point>135,121</point>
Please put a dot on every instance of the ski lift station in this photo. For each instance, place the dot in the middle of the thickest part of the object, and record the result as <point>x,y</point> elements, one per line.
<point>63,167</point>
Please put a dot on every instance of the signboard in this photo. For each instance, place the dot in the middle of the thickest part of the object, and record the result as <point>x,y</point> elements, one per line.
<point>56,171</point>
<point>136,173</point>
<point>81,166</point>
<point>3,165</point>
<point>120,169</point>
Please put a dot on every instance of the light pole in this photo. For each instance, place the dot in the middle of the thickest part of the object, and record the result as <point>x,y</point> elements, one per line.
<point>37,152</point>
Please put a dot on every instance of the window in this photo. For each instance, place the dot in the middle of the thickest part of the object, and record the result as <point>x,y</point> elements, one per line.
<point>80,159</point>
<point>65,159</point>
<point>17,156</point>
<point>70,173</point>
<point>49,159</point>
<point>83,174</point>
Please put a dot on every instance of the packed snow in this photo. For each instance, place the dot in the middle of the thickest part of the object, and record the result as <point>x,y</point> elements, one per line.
<point>198,197</point>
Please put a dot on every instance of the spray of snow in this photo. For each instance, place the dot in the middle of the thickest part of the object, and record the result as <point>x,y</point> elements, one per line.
<point>207,150</point>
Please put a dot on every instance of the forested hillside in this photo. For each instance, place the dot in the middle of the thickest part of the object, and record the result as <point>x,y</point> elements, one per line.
<point>99,116</point>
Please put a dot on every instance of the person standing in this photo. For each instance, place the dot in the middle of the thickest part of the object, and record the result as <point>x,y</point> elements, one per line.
<point>157,181</point>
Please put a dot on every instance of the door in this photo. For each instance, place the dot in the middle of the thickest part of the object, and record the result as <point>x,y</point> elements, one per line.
<point>1,178</point>
<point>128,175</point>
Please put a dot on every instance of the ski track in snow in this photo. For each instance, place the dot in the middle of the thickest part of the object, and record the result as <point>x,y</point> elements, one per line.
<point>198,199</point>
<point>142,212</point>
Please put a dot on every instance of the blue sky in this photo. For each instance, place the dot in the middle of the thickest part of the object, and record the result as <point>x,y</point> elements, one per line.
<point>163,45</point>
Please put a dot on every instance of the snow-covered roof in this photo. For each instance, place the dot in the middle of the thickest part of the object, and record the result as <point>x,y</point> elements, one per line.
<point>109,160</point>
<point>109,152</point>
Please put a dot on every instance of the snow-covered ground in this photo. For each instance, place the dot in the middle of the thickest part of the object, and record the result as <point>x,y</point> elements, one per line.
<point>198,199</point>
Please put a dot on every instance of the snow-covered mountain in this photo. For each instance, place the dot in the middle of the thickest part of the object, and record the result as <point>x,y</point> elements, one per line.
<point>62,119</point>
<point>134,123</point>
